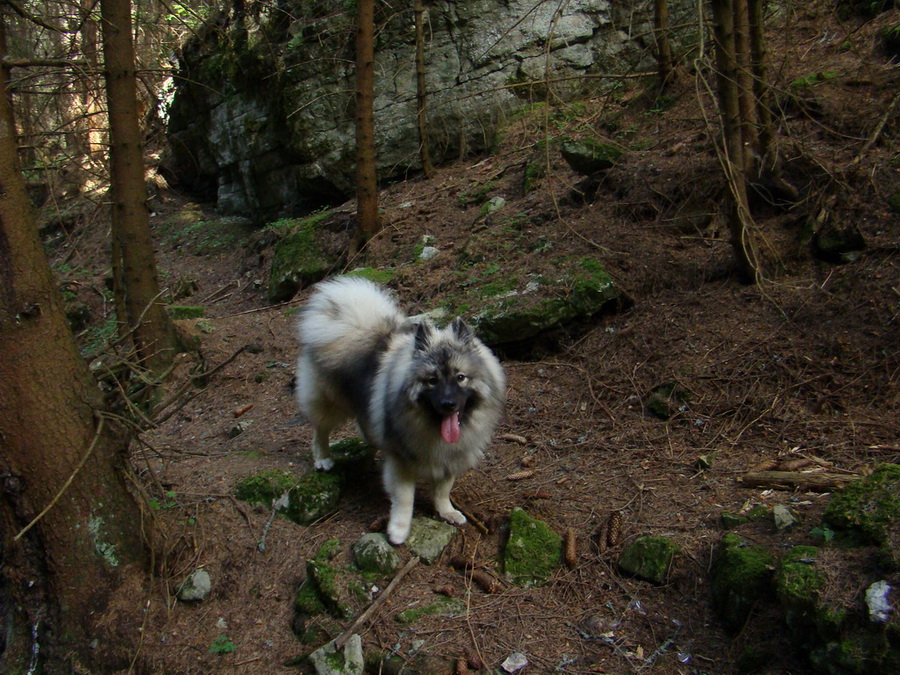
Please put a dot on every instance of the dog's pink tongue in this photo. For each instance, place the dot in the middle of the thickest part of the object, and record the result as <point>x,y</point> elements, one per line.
<point>450,428</point>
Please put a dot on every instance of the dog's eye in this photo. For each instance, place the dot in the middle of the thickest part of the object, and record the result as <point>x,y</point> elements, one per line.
<point>461,378</point>
<point>431,380</point>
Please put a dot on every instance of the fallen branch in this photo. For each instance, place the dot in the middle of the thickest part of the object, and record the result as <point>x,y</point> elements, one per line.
<point>376,604</point>
<point>791,480</point>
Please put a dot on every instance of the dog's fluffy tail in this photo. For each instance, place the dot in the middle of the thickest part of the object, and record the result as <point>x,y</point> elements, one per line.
<point>345,317</point>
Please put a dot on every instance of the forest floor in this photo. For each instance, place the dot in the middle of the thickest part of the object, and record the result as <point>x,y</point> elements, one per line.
<point>801,365</point>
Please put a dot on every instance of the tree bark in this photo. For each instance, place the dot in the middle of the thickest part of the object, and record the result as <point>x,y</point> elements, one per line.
<point>664,63</point>
<point>135,278</point>
<point>761,93</point>
<point>738,209</point>
<point>421,101</point>
<point>366,180</point>
<point>58,575</point>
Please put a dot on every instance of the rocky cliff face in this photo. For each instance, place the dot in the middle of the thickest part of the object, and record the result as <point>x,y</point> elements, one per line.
<point>262,119</point>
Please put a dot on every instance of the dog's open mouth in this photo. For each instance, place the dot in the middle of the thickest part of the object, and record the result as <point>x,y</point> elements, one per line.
<point>450,427</point>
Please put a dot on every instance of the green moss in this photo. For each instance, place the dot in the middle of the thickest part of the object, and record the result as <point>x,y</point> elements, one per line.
<point>741,576</point>
<point>649,558</point>
<point>297,258</point>
<point>379,276</point>
<point>813,80</point>
<point>868,510</point>
<point>338,589</point>
<point>532,551</point>
<point>589,156</point>
<point>178,312</point>
<point>448,607</point>
<point>309,497</point>
<point>798,583</point>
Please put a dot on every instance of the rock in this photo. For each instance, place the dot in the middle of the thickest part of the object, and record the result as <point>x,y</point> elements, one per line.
<point>301,257</point>
<point>532,551</point>
<point>428,252</point>
<point>588,156</point>
<point>878,603</point>
<point>373,554</point>
<point>839,244</point>
<point>868,512</point>
<point>581,291</point>
<point>784,517</point>
<point>514,662</point>
<point>649,558</point>
<point>195,587</point>
<point>179,312</point>
<point>266,127</point>
<point>667,399</point>
<point>428,538</point>
<point>328,660</point>
<point>448,607</point>
<point>338,589</point>
<point>741,577</point>
<point>308,497</point>
<point>732,520</point>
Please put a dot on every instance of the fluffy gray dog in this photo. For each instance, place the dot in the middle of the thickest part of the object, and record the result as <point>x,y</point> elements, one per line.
<point>428,398</point>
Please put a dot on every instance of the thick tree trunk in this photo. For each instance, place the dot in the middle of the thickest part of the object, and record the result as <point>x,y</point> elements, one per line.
<point>421,107</point>
<point>366,180</point>
<point>56,452</point>
<point>134,269</point>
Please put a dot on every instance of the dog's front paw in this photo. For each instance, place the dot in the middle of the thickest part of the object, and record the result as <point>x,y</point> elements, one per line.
<point>326,464</point>
<point>453,517</point>
<point>397,532</point>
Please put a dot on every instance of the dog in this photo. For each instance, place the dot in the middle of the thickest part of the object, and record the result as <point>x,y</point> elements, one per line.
<point>429,398</point>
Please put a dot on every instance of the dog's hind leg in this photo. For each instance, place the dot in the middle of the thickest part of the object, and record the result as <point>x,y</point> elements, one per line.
<point>442,503</point>
<point>401,489</point>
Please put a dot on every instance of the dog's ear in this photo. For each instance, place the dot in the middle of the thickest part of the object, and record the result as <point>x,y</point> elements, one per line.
<point>461,330</point>
<point>423,336</point>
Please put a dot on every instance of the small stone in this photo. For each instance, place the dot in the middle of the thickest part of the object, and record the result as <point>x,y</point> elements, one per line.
<point>514,662</point>
<point>196,587</point>
<point>373,554</point>
<point>428,253</point>
<point>428,538</point>
<point>785,518</point>
<point>328,661</point>
<point>877,600</point>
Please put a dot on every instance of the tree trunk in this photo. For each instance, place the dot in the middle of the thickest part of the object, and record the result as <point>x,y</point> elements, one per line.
<point>738,211</point>
<point>759,68</point>
<point>59,575</point>
<point>421,108</point>
<point>745,87</point>
<point>664,62</point>
<point>366,181</point>
<point>134,269</point>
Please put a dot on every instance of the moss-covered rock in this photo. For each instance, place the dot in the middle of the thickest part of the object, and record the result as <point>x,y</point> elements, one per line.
<point>428,538</point>
<point>868,511</point>
<point>731,520</point>
<point>299,259</point>
<point>181,312</point>
<point>378,275</point>
<point>667,399</point>
<point>374,555</point>
<point>741,577</point>
<point>581,291</point>
<point>532,551</point>
<point>649,558</point>
<point>799,583</point>
<point>302,499</point>
<point>589,156</point>
<point>448,607</point>
<point>338,588</point>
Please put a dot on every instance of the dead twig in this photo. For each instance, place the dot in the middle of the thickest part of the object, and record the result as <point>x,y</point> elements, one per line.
<point>792,480</point>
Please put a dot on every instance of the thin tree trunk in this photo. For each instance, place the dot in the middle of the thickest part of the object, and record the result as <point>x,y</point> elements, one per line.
<point>366,180</point>
<point>761,93</point>
<point>134,268</point>
<point>745,84</point>
<point>54,452</point>
<point>738,211</point>
<point>421,107</point>
<point>664,63</point>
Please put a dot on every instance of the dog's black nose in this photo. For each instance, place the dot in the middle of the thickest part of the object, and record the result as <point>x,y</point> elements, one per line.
<point>448,405</point>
